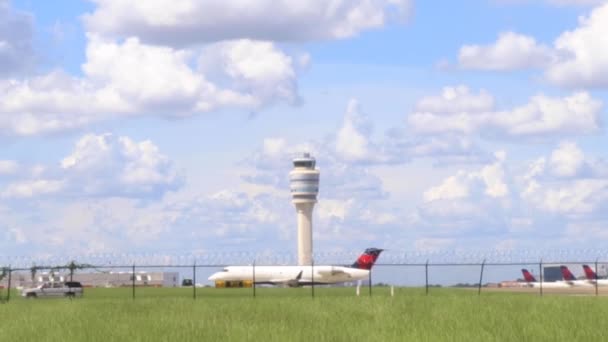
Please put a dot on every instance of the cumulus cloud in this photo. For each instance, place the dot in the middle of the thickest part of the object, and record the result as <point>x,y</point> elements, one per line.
<point>33,188</point>
<point>115,166</point>
<point>577,58</point>
<point>567,160</point>
<point>557,2</point>
<point>16,36</point>
<point>576,2</point>
<point>567,182</point>
<point>490,181</point>
<point>8,167</point>
<point>103,165</point>
<point>564,187</point>
<point>583,60</point>
<point>578,113</point>
<point>186,22</point>
<point>510,52</point>
<point>131,78</point>
<point>256,68</point>
<point>353,138</point>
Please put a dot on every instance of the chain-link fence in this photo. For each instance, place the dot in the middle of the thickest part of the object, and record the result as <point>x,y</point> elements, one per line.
<point>396,273</point>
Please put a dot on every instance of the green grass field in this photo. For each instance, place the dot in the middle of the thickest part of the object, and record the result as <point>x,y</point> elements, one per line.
<point>292,315</point>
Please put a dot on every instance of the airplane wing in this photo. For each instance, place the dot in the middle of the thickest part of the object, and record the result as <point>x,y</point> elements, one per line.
<point>291,282</point>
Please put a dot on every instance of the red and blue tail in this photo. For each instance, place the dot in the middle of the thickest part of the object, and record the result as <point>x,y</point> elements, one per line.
<point>367,259</point>
<point>566,274</point>
<point>589,273</point>
<point>528,277</point>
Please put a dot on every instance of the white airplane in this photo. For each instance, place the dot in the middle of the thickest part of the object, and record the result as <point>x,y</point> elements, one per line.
<point>569,278</point>
<point>531,282</point>
<point>294,276</point>
<point>592,277</point>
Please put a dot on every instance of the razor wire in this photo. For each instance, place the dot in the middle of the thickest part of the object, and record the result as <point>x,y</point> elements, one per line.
<point>389,257</point>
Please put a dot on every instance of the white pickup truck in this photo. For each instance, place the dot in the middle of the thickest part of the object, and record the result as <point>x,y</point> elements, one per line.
<point>68,289</point>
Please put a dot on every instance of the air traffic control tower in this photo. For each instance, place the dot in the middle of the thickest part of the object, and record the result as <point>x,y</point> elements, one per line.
<point>304,186</point>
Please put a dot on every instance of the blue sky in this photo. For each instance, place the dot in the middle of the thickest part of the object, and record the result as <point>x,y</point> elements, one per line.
<point>169,126</point>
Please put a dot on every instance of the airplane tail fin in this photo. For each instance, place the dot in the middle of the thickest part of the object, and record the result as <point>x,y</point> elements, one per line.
<point>528,276</point>
<point>367,259</point>
<point>566,274</point>
<point>589,273</point>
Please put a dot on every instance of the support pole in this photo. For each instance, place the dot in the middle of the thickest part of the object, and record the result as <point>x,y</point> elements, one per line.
<point>312,278</point>
<point>540,272</point>
<point>8,294</point>
<point>426,277</point>
<point>370,282</point>
<point>596,277</point>
<point>133,284</point>
<point>483,264</point>
<point>253,270</point>
<point>194,280</point>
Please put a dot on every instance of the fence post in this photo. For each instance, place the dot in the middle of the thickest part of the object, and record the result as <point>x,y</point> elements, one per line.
<point>426,276</point>
<point>253,269</point>
<point>540,272</point>
<point>133,283</point>
<point>596,277</point>
<point>8,294</point>
<point>370,282</point>
<point>483,264</point>
<point>312,278</point>
<point>194,280</point>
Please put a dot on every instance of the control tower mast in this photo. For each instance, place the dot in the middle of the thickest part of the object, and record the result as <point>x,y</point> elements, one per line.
<point>304,185</point>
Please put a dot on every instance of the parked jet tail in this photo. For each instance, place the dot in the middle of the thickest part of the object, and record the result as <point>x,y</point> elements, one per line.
<point>566,274</point>
<point>528,276</point>
<point>589,273</point>
<point>367,259</point>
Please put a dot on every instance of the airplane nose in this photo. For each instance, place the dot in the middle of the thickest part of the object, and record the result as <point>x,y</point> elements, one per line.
<point>213,276</point>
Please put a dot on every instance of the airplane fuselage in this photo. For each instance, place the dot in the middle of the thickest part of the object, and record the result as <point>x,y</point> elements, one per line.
<point>550,284</point>
<point>291,275</point>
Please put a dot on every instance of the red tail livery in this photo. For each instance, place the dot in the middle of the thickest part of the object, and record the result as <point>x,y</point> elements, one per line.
<point>528,276</point>
<point>589,273</point>
<point>566,274</point>
<point>367,259</point>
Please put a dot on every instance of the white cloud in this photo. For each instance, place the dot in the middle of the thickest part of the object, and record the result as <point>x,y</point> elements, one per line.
<point>110,166</point>
<point>130,78</point>
<point>8,167</point>
<point>490,180</point>
<point>570,183</point>
<point>577,58</point>
<point>494,178</point>
<point>556,2</point>
<point>567,160</point>
<point>452,187</point>
<point>576,2</point>
<point>541,116</point>
<point>579,197</point>
<point>254,68</point>
<point>575,114</point>
<point>456,99</point>
<point>510,52</point>
<point>433,244</point>
<point>186,22</point>
<point>352,139</point>
<point>34,188</point>
<point>100,166</point>
<point>16,36</point>
<point>583,53</point>
<point>455,110</point>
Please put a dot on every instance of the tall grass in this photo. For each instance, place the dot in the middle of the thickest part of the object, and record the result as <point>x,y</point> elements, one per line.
<point>292,315</point>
